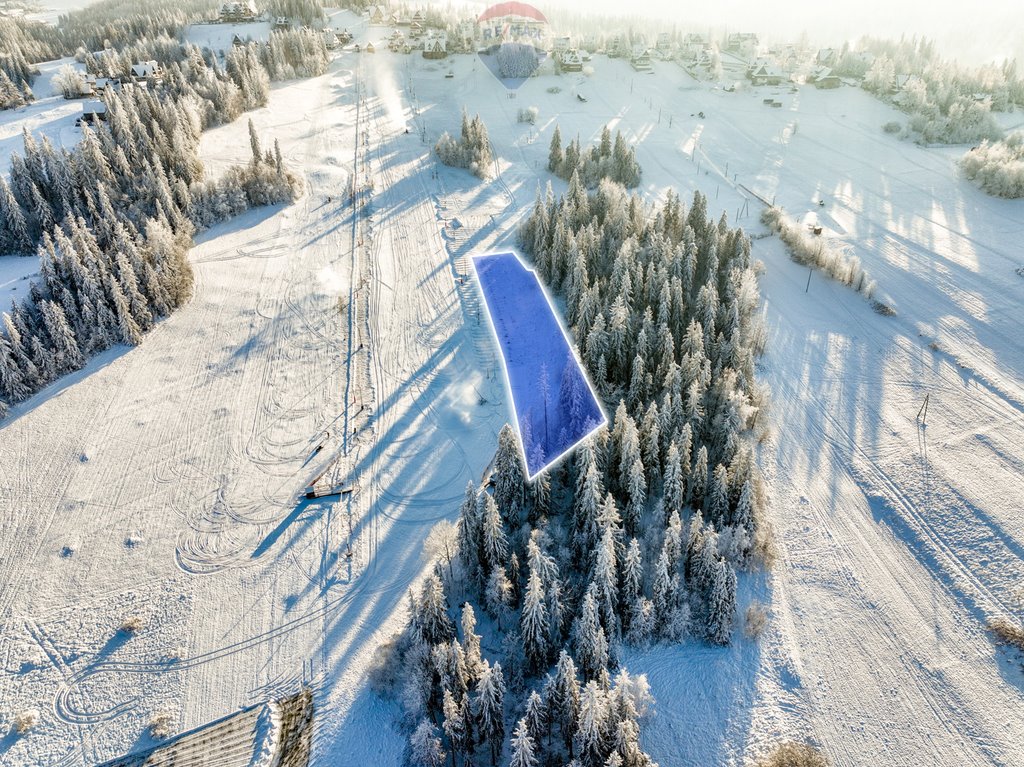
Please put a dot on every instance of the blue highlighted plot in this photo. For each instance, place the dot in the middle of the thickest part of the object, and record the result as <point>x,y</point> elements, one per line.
<point>555,406</point>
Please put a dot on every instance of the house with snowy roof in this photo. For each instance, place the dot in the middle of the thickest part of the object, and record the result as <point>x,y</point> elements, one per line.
<point>826,57</point>
<point>144,70</point>
<point>239,10</point>
<point>763,73</point>
<point>742,44</point>
<point>641,58</point>
<point>92,111</point>
<point>435,46</point>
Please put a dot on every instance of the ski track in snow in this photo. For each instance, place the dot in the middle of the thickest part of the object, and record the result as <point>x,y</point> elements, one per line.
<point>321,324</point>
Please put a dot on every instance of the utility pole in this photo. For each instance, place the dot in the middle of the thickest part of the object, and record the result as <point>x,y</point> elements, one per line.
<point>922,414</point>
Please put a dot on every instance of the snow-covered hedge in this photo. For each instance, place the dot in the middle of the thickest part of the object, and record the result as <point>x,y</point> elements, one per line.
<point>810,250</point>
<point>997,167</point>
<point>528,115</point>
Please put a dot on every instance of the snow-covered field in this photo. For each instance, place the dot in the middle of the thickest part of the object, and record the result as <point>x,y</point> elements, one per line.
<point>163,481</point>
<point>219,37</point>
<point>16,274</point>
<point>50,115</point>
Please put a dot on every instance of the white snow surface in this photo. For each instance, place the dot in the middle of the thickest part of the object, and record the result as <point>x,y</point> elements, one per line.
<point>895,541</point>
<point>16,274</point>
<point>49,115</point>
<point>219,37</point>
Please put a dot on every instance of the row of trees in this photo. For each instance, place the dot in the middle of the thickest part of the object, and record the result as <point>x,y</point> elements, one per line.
<point>833,258</point>
<point>18,52</point>
<point>471,150</point>
<point>222,90</point>
<point>111,221</point>
<point>606,159</point>
<point>106,24</point>
<point>13,96</point>
<point>127,35</point>
<point>636,539</point>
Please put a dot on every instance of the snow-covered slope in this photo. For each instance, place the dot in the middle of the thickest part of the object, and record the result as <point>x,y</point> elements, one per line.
<point>896,542</point>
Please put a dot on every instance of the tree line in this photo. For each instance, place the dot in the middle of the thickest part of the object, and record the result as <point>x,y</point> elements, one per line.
<point>112,222</point>
<point>636,539</point>
<point>947,103</point>
<point>118,32</point>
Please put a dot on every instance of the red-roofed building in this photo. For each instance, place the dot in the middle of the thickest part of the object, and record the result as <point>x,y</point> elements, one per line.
<point>512,21</point>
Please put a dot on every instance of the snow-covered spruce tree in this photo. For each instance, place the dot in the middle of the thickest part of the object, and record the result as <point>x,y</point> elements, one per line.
<point>535,629</point>
<point>489,708</point>
<point>615,161</point>
<point>425,747</point>
<point>522,747</point>
<point>555,155</point>
<point>472,150</point>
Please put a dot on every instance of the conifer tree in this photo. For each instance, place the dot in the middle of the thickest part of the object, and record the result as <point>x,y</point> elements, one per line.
<point>536,717</point>
<point>492,534</point>
<point>698,477</point>
<point>721,603</point>
<point>509,480</point>
<point>533,626</point>
<point>471,643</point>
<point>564,701</point>
<point>589,745</point>
<point>432,615</point>
<point>632,576</point>
<point>489,708</point>
<point>673,490</point>
<point>590,644</point>
<point>425,746</point>
<point>523,748</point>
<point>555,156</point>
<point>454,726</point>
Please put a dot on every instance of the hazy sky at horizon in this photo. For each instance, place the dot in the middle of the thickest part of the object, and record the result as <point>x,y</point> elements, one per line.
<point>984,30</point>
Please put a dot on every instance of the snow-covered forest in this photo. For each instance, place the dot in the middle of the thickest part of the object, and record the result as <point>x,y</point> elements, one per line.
<point>112,219</point>
<point>472,150</point>
<point>123,205</point>
<point>639,538</point>
<point>606,159</point>
<point>111,222</point>
<point>947,103</point>
<point>516,60</point>
<point>997,166</point>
